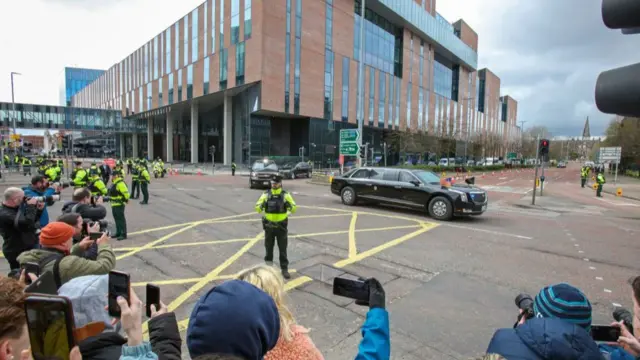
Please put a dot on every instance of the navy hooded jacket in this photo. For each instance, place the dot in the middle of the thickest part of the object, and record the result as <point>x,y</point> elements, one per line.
<point>544,339</point>
<point>31,192</point>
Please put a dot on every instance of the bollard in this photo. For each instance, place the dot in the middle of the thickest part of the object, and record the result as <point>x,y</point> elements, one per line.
<point>619,192</point>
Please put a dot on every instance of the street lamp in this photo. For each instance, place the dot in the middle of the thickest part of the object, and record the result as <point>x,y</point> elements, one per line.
<point>13,103</point>
<point>466,141</point>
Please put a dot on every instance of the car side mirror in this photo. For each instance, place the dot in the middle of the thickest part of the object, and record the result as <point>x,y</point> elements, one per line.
<point>415,182</point>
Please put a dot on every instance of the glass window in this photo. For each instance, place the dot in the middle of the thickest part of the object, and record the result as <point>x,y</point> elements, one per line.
<point>390,175</point>
<point>240,56</point>
<point>194,35</point>
<point>206,27</point>
<point>207,75</point>
<point>397,92</point>
<point>287,56</point>
<point>376,174</point>
<point>235,21</point>
<point>167,54</point>
<point>372,92</point>
<point>156,60</point>
<point>247,19</point>
<point>221,22</point>
<point>176,30</point>
<point>179,85</point>
<point>442,79</point>
<point>328,37</point>
<point>328,84</point>
<point>146,63</point>
<point>407,177</point>
<point>296,70</point>
<point>360,174</point>
<point>149,96</point>
<point>381,93</point>
<point>190,82</point>
<point>185,40</point>
<point>223,68</point>
<point>141,100</point>
<point>213,26</point>
<point>160,101</point>
<point>345,88</point>
<point>170,89</point>
<point>427,177</point>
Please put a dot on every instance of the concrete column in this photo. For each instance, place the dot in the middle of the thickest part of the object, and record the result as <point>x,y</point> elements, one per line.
<point>122,148</point>
<point>169,137</point>
<point>227,129</point>
<point>237,140</point>
<point>150,139</point>
<point>194,133</point>
<point>134,145</point>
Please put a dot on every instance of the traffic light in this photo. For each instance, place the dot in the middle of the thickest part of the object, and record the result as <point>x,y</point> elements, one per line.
<point>66,141</point>
<point>544,147</point>
<point>363,151</point>
<point>617,89</point>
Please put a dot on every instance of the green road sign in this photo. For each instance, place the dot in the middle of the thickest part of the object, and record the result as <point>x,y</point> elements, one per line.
<point>349,135</point>
<point>349,148</point>
<point>512,155</point>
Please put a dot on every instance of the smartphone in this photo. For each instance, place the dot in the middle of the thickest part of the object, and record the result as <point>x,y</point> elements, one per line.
<point>44,284</point>
<point>95,235</point>
<point>50,322</point>
<point>605,333</point>
<point>153,298</point>
<point>351,288</point>
<point>119,285</point>
<point>30,268</point>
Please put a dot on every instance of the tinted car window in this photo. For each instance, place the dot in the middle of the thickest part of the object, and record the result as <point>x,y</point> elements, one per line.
<point>302,165</point>
<point>405,176</point>
<point>261,165</point>
<point>427,177</point>
<point>377,174</point>
<point>390,175</point>
<point>360,174</point>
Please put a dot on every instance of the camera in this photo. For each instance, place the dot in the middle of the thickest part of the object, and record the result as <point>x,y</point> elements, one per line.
<point>48,199</point>
<point>62,184</point>
<point>94,199</point>
<point>87,223</point>
<point>524,302</point>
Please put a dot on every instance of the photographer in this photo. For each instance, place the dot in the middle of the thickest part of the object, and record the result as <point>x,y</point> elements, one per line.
<point>82,229</point>
<point>554,325</point>
<point>81,203</point>
<point>40,188</point>
<point>18,224</point>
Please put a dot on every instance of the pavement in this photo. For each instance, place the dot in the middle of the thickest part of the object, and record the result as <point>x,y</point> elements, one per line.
<point>449,285</point>
<point>629,186</point>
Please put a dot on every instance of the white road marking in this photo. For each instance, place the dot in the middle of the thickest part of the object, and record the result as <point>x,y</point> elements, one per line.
<point>211,189</point>
<point>487,231</point>
<point>607,291</point>
<point>295,193</point>
<point>599,278</point>
<point>616,305</point>
<point>580,252</point>
<point>585,259</point>
<point>569,235</point>
<point>592,268</point>
<point>617,203</point>
<point>576,245</point>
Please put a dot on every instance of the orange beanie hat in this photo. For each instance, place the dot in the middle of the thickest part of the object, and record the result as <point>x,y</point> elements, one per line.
<point>56,233</point>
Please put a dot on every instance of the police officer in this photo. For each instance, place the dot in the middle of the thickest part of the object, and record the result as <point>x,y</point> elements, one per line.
<point>144,179</point>
<point>79,176</point>
<point>119,198</point>
<point>26,166</point>
<point>135,183</point>
<point>601,181</point>
<point>61,165</point>
<point>233,169</point>
<point>96,186</point>
<point>277,204</point>
<point>129,165</point>
<point>584,174</point>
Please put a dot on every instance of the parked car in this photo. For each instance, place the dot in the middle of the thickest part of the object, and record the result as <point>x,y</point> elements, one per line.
<point>418,189</point>
<point>261,174</point>
<point>292,171</point>
<point>562,165</point>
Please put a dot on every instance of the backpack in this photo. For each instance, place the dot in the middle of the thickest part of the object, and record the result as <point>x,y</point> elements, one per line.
<point>57,257</point>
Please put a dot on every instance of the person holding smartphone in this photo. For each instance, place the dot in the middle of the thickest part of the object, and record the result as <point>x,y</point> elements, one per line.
<point>14,335</point>
<point>65,261</point>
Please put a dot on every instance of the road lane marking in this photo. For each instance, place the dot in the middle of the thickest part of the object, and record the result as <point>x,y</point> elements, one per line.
<point>591,268</point>
<point>365,254</point>
<point>585,259</point>
<point>353,251</point>
<point>616,305</point>
<point>151,244</point>
<point>607,291</point>
<point>599,278</point>
<point>486,231</point>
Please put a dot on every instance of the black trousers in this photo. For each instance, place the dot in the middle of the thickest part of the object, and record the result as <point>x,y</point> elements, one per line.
<point>599,191</point>
<point>276,232</point>
<point>12,258</point>
<point>583,181</point>
<point>135,189</point>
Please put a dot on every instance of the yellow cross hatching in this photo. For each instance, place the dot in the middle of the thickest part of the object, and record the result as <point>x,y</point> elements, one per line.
<point>417,226</point>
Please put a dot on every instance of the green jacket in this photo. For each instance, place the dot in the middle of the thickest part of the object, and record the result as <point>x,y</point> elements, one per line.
<point>26,162</point>
<point>600,179</point>
<point>80,179</point>
<point>119,193</point>
<point>97,187</point>
<point>73,266</point>
<point>144,177</point>
<point>261,204</point>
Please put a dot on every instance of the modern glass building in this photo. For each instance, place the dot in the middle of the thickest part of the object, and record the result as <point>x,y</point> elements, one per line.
<point>74,80</point>
<point>256,78</point>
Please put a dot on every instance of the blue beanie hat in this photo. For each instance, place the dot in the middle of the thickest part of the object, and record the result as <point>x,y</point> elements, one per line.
<point>234,318</point>
<point>565,302</point>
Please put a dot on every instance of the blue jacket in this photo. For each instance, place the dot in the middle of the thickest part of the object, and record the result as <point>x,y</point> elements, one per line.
<point>615,352</point>
<point>544,339</point>
<point>375,343</point>
<point>31,192</point>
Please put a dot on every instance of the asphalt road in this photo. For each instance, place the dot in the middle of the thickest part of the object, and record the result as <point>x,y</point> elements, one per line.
<point>448,285</point>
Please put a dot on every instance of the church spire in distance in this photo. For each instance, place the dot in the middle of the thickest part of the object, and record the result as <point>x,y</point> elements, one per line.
<point>585,132</point>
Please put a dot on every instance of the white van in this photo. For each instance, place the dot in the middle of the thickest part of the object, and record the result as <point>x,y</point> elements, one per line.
<point>488,161</point>
<point>444,162</point>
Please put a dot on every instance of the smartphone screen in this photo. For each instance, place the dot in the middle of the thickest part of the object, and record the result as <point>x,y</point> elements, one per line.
<point>351,288</point>
<point>95,235</point>
<point>118,286</point>
<point>605,333</point>
<point>153,298</point>
<point>50,323</point>
<point>30,268</point>
<point>45,284</point>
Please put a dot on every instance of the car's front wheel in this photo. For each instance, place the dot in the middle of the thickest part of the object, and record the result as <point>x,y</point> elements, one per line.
<point>348,196</point>
<point>440,208</point>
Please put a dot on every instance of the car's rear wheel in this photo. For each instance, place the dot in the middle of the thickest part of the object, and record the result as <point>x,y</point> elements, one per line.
<point>348,196</point>
<point>440,208</point>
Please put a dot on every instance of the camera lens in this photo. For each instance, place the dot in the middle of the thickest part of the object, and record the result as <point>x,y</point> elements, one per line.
<point>524,301</point>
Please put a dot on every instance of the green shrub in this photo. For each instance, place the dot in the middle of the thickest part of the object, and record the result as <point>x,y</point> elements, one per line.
<point>448,169</point>
<point>632,173</point>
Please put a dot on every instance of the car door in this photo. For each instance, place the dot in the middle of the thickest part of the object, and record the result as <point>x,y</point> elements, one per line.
<point>412,195</point>
<point>361,183</point>
<point>388,188</point>
<point>373,187</point>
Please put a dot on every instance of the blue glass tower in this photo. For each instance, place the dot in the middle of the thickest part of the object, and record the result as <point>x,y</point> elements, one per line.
<point>74,80</point>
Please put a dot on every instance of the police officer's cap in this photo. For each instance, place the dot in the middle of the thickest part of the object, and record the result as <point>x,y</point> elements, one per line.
<point>276,179</point>
<point>78,163</point>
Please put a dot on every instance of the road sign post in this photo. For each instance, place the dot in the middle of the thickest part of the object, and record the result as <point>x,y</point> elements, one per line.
<point>349,149</point>
<point>349,142</point>
<point>611,154</point>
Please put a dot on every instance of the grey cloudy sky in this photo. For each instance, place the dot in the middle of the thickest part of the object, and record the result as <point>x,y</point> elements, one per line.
<point>548,53</point>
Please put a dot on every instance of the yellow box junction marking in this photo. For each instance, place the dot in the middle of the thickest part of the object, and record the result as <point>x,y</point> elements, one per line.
<point>352,235</point>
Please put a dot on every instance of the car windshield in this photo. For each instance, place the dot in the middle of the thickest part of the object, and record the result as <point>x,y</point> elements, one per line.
<point>427,177</point>
<point>259,165</point>
<point>287,166</point>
